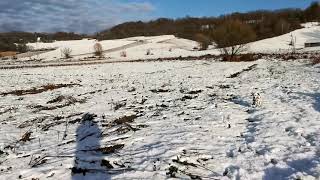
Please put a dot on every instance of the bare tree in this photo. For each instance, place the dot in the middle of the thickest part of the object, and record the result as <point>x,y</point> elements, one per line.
<point>98,50</point>
<point>203,41</point>
<point>30,48</point>
<point>232,37</point>
<point>148,53</point>
<point>66,52</point>
<point>293,43</point>
<point>123,54</point>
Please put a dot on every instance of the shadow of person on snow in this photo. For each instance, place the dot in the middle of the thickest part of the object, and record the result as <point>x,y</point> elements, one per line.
<point>240,101</point>
<point>307,166</point>
<point>316,97</point>
<point>88,158</point>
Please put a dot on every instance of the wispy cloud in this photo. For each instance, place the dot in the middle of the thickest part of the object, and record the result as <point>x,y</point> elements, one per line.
<point>82,16</point>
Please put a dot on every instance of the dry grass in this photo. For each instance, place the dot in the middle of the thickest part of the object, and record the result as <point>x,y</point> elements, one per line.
<point>48,87</point>
<point>242,71</point>
<point>316,60</point>
<point>111,149</point>
<point>66,52</point>
<point>98,50</point>
<point>123,54</point>
<point>125,119</point>
<point>8,53</point>
<point>242,58</point>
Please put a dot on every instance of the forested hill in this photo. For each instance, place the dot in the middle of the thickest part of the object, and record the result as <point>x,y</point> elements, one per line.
<point>9,39</point>
<point>265,24</point>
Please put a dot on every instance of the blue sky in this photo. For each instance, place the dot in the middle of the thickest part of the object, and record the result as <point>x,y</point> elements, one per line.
<point>89,16</point>
<point>181,8</point>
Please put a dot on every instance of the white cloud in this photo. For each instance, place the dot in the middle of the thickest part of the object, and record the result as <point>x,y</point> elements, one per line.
<point>84,16</point>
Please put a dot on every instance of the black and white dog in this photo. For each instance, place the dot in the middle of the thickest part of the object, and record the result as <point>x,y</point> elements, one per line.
<point>256,99</point>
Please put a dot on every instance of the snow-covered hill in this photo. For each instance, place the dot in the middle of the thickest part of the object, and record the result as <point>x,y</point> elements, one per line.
<point>310,32</point>
<point>170,46</point>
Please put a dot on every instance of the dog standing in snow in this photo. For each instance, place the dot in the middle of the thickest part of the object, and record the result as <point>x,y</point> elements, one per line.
<point>256,99</point>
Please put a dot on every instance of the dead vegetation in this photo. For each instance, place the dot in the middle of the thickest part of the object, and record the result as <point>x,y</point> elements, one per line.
<point>57,120</point>
<point>244,70</point>
<point>160,90</point>
<point>106,163</point>
<point>62,98</point>
<point>241,58</point>
<point>98,50</point>
<point>111,149</point>
<point>182,166</point>
<point>316,61</point>
<point>123,54</point>
<point>125,119</point>
<point>148,53</point>
<point>119,104</point>
<point>38,160</point>
<point>45,122</point>
<point>192,91</point>
<point>66,52</point>
<point>44,88</point>
<point>65,100</point>
<point>122,125</point>
<point>26,137</point>
<point>208,57</point>
<point>10,109</point>
<point>32,121</point>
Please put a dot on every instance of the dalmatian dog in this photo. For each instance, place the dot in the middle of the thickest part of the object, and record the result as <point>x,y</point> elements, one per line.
<point>256,99</point>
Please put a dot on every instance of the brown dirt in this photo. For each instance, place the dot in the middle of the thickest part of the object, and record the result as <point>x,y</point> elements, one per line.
<point>8,53</point>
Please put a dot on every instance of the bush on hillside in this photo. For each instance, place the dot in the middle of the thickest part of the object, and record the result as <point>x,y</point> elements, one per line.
<point>316,61</point>
<point>123,54</point>
<point>232,37</point>
<point>66,52</point>
<point>98,50</point>
<point>203,41</point>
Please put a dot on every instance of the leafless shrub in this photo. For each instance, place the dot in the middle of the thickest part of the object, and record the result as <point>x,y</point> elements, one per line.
<point>98,50</point>
<point>37,160</point>
<point>203,41</point>
<point>120,104</point>
<point>111,149</point>
<point>232,37</point>
<point>66,52</point>
<point>241,58</point>
<point>123,54</point>
<point>30,48</point>
<point>293,43</point>
<point>37,90</point>
<point>149,52</point>
<point>316,60</point>
<point>26,136</point>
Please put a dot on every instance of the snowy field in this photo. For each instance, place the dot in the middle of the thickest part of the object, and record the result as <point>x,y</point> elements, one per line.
<point>166,46</point>
<point>170,46</point>
<point>110,118</point>
<point>161,120</point>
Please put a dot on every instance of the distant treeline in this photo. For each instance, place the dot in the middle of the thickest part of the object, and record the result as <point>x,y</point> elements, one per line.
<point>265,23</point>
<point>10,41</point>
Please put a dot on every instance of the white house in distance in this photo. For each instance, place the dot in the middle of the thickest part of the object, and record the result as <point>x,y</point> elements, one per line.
<point>312,43</point>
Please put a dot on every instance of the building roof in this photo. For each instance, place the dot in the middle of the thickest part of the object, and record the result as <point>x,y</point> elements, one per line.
<point>313,41</point>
